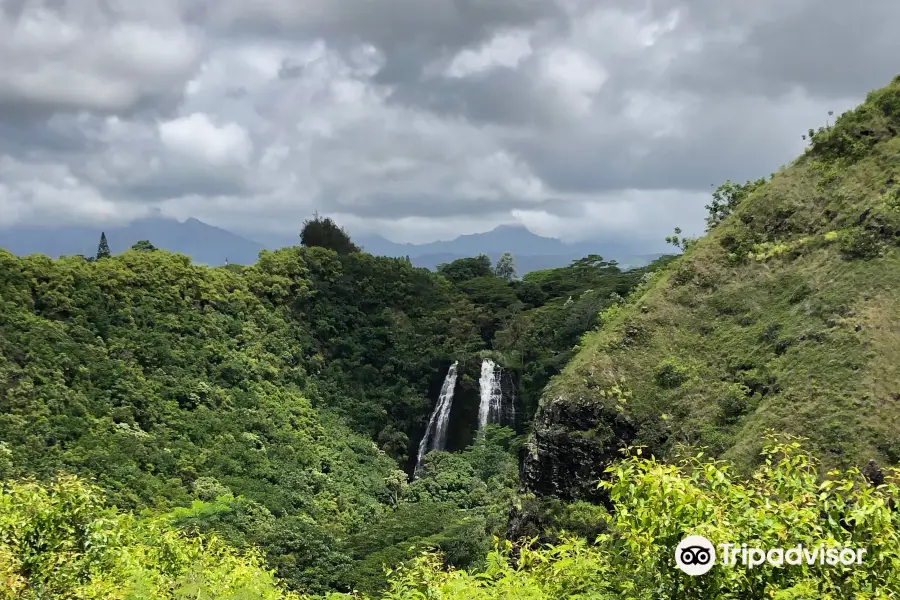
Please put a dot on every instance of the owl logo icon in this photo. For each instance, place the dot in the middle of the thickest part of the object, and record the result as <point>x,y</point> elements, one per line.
<point>695,555</point>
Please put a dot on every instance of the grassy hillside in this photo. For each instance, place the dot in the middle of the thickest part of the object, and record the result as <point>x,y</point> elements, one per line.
<point>784,316</point>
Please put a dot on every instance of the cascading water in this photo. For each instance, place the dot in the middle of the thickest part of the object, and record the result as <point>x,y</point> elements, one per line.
<point>490,410</point>
<point>435,437</point>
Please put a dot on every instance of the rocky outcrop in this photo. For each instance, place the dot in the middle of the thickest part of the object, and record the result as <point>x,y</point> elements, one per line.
<point>572,443</point>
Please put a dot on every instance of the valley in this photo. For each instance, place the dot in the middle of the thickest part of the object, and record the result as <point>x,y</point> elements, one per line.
<point>328,423</point>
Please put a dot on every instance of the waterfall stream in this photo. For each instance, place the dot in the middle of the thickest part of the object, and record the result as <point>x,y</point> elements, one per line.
<point>490,410</point>
<point>435,437</point>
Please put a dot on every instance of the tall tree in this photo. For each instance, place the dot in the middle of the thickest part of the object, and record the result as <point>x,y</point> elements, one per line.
<point>326,233</point>
<point>103,248</point>
<point>505,267</point>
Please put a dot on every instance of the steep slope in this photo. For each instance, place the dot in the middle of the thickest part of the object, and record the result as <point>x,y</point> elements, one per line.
<point>785,316</point>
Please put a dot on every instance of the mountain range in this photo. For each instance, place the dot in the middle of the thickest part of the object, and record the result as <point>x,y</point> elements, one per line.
<point>210,245</point>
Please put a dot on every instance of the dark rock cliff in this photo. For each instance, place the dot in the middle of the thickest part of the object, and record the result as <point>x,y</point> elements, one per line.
<point>572,443</point>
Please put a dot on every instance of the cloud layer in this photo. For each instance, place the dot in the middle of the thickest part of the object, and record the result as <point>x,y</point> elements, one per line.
<point>416,119</point>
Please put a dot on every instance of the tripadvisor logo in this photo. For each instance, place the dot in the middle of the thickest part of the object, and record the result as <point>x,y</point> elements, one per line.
<point>696,555</point>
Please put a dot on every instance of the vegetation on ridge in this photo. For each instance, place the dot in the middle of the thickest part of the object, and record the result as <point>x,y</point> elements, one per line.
<point>783,316</point>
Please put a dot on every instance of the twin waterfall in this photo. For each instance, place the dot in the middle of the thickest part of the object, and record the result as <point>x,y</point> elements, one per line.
<point>492,409</point>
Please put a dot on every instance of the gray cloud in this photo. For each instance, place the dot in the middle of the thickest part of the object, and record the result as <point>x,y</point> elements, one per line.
<point>418,119</point>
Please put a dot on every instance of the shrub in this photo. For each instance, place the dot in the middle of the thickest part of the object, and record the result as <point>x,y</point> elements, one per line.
<point>684,273</point>
<point>655,505</point>
<point>59,541</point>
<point>733,402</point>
<point>671,374</point>
<point>860,244</point>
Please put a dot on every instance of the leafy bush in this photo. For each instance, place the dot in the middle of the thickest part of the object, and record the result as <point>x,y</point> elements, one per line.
<point>726,199</point>
<point>654,506</point>
<point>733,402</point>
<point>861,244</point>
<point>60,542</point>
<point>671,374</point>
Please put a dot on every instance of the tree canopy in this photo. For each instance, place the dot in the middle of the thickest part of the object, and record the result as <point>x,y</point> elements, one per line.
<point>325,233</point>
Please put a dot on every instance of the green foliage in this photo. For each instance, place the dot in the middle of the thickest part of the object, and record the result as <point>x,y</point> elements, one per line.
<point>590,272</point>
<point>734,401</point>
<point>855,133</point>
<point>103,247</point>
<point>143,246</point>
<point>463,269</point>
<point>671,373</point>
<point>455,506</point>
<point>542,339</point>
<point>858,243</point>
<point>726,199</point>
<point>529,294</point>
<point>168,382</point>
<point>680,242</point>
<point>654,506</point>
<point>325,233</point>
<point>813,250</point>
<point>376,331</point>
<point>59,541</point>
<point>505,267</point>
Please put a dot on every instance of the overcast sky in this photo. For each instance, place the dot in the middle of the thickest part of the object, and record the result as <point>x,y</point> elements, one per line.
<point>418,119</point>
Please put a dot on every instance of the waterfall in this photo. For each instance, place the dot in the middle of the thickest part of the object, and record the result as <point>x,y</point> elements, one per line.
<point>490,410</point>
<point>435,437</point>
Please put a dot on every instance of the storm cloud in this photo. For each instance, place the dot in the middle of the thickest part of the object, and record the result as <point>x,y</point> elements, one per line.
<point>418,119</point>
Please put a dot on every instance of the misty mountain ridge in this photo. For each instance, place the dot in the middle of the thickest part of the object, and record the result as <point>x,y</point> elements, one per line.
<point>531,251</point>
<point>204,243</point>
<point>210,245</point>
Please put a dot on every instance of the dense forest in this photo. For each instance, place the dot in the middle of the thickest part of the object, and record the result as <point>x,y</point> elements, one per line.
<point>169,430</point>
<point>279,404</point>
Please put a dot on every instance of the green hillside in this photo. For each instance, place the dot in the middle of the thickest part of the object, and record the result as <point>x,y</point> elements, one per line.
<point>784,316</point>
<point>276,404</point>
<point>169,430</point>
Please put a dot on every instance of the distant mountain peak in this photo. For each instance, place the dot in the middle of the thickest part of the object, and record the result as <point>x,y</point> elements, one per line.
<point>204,243</point>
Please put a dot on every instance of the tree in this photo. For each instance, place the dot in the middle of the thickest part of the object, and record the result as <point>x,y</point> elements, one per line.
<point>463,269</point>
<point>103,248</point>
<point>144,246</point>
<point>505,267</point>
<point>683,243</point>
<point>785,504</point>
<point>325,233</point>
<point>726,198</point>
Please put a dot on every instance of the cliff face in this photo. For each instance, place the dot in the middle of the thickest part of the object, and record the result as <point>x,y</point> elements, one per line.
<point>573,441</point>
<point>784,317</point>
